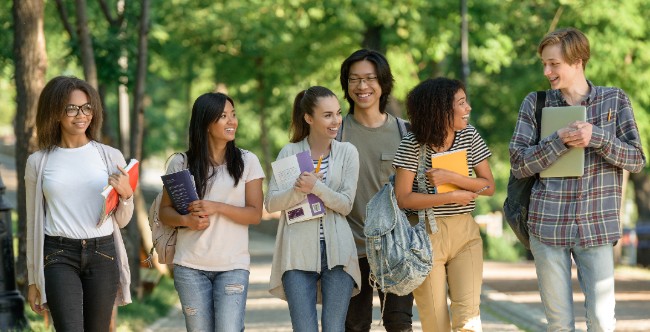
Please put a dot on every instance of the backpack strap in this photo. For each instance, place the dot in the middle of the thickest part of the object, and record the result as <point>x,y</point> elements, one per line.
<point>403,126</point>
<point>422,188</point>
<point>339,134</point>
<point>539,104</point>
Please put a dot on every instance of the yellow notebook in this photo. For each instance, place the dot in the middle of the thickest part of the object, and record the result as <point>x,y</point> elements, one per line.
<point>455,161</point>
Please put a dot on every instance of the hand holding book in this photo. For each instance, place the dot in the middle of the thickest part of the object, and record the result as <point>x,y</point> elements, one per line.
<point>119,184</point>
<point>442,165</point>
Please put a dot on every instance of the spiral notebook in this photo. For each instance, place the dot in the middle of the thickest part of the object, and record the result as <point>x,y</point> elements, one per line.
<point>572,163</point>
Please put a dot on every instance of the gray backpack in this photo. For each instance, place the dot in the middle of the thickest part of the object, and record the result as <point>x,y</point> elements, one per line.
<point>399,255</point>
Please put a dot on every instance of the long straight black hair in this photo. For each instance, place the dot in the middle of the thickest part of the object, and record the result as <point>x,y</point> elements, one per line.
<point>206,110</point>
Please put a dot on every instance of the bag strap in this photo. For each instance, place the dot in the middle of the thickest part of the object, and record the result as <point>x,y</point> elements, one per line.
<point>339,134</point>
<point>422,188</point>
<point>402,125</point>
<point>539,105</point>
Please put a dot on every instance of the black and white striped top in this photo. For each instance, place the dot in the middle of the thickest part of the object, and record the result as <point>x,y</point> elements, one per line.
<point>324,167</point>
<point>408,154</point>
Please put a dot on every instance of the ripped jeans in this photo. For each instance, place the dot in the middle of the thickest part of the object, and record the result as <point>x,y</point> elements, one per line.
<point>212,301</point>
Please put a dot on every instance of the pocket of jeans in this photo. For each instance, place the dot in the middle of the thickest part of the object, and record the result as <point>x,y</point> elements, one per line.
<point>105,255</point>
<point>51,257</point>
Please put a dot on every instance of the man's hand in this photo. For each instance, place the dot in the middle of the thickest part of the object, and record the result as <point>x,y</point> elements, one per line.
<point>577,134</point>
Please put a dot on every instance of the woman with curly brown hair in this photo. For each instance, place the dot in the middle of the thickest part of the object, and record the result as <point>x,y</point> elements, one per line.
<point>76,260</point>
<point>439,115</point>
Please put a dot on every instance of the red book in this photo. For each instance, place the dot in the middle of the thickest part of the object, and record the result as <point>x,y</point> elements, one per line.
<point>111,197</point>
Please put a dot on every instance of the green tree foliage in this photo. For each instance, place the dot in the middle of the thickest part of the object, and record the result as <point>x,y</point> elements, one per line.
<point>263,52</point>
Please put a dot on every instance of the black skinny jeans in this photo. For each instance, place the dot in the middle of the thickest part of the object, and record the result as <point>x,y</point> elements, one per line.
<point>398,315</point>
<point>81,279</point>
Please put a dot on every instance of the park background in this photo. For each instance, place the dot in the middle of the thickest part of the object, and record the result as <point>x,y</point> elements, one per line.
<point>151,59</point>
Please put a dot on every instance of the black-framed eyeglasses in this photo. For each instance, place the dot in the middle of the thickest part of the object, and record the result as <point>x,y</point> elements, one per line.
<point>357,80</point>
<point>73,110</point>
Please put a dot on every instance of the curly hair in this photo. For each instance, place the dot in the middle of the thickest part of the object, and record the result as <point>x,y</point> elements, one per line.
<point>384,75</point>
<point>304,103</point>
<point>430,107</point>
<point>51,107</point>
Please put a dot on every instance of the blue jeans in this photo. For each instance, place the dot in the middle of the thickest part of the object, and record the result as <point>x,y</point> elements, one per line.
<point>81,279</point>
<point>595,274</point>
<point>301,288</point>
<point>212,301</point>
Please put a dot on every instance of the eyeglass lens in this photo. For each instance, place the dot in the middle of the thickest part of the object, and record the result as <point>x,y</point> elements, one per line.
<point>73,110</point>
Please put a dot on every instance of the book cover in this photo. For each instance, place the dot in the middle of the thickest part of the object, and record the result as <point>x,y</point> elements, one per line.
<point>111,197</point>
<point>286,171</point>
<point>571,163</point>
<point>455,161</point>
<point>181,189</point>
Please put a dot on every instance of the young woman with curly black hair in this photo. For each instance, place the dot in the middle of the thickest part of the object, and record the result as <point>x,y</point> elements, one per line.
<point>439,115</point>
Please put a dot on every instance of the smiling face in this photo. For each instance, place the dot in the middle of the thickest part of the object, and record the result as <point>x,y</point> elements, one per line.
<point>74,127</point>
<point>561,75</point>
<point>223,130</point>
<point>363,86</point>
<point>326,118</point>
<point>461,110</point>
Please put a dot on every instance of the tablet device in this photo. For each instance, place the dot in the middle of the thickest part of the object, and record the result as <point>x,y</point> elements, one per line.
<point>571,163</point>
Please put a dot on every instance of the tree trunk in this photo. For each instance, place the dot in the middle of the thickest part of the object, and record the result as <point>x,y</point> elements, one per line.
<point>30,59</point>
<point>86,45</point>
<point>372,39</point>
<point>261,104</point>
<point>137,128</point>
<point>464,46</point>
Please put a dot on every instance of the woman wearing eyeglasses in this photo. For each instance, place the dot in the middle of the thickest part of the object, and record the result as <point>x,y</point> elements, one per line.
<point>76,260</point>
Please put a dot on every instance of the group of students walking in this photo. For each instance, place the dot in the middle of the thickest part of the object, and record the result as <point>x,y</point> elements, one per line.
<point>80,269</point>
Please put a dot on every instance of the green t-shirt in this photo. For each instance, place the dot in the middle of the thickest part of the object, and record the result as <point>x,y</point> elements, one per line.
<point>377,147</point>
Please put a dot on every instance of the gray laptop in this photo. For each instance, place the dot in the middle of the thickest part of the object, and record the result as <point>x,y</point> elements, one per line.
<point>571,163</point>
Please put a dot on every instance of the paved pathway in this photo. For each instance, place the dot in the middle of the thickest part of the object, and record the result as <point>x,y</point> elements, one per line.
<point>266,313</point>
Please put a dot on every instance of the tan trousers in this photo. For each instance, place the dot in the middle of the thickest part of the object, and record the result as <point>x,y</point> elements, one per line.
<point>457,271</point>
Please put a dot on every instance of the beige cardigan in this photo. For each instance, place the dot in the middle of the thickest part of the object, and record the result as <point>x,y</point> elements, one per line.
<point>297,246</point>
<point>36,218</point>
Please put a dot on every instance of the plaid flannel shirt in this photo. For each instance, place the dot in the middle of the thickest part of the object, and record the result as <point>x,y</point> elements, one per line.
<point>583,210</point>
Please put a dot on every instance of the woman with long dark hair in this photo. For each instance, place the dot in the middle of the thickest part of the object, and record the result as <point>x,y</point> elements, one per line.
<point>316,260</point>
<point>76,260</point>
<point>439,114</point>
<point>212,262</point>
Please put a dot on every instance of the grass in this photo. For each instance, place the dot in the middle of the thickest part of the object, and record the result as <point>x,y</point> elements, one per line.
<point>133,317</point>
<point>502,249</point>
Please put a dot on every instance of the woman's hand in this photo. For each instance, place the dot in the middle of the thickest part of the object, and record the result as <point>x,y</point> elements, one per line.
<point>463,197</point>
<point>305,182</point>
<point>34,298</point>
<point>196,223</point>
<point>120,181</point>
<point>439,176</point>
<point>203,208</point>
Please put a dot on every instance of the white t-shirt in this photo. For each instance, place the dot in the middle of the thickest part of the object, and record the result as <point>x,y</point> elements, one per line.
<point>223,246</point>
<point>73,180</point>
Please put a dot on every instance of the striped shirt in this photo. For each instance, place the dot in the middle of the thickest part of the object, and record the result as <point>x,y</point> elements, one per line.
<point>324,166</point>
<point>408,155</point>
<point>585,210</point>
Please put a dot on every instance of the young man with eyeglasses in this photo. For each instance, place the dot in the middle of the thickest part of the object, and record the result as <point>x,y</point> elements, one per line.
<point>367,82</point>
